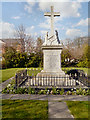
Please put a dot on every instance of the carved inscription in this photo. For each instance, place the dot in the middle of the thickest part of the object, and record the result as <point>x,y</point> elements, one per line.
<point>51,61</point>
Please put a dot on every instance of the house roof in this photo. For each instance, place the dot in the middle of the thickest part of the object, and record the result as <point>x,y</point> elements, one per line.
<point>1,42</point>
<point>10,41</point>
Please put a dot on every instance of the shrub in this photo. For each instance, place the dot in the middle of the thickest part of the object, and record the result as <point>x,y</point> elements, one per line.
<point>3,64</point>
<point>30,90</point>
<point>19,91</point>
<point>62,91</point>
<point>54,90</point>
<point>46,90</point>
<point>41,92</point>
<point>68,93</point>
<point>87,92</point>
<point>33,91</point>
<point>58,91</point>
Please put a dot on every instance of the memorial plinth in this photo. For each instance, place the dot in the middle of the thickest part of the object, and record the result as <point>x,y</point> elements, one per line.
<point>52,61</point>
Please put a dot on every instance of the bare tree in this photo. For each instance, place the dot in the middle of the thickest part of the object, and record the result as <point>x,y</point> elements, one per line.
<point>20,34</point>
<point>29,44</point>
<point>75,47</point>
<point>26,42</point>
<point>39,43</point>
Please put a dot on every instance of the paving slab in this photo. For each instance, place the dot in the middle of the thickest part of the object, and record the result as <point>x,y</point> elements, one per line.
<point>76,98</point>
<point>58,110</point>
<point>56,97</point>
<point>45,97</point>
<point>6,96</point>
<point>20,97</point>
<point>5,83</point>
<point>39,97</point>
<point>68,98</point>
<point>29,97</point>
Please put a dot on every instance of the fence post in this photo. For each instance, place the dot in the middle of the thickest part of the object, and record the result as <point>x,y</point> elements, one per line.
<point>42,79</point>
<point>40,69</point>
<point>51,80</point>
<point>54,80</point>
<point>66,81</point>
<point>26,71</point>
<point>16,81</point>
<point>46,80</point>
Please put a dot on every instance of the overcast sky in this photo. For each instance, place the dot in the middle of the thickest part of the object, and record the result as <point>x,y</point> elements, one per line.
<point>73,20</point>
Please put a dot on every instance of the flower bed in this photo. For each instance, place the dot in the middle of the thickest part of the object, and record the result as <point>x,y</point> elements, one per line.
<point>54,91</point>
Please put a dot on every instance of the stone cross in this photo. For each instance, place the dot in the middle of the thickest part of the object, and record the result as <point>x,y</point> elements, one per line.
<point>52,14</point>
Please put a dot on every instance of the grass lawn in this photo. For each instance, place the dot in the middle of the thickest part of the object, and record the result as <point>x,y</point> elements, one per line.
<point>25,109</point>
<point>8,73</point>
<point>79,109</point>
<point>86,70</point>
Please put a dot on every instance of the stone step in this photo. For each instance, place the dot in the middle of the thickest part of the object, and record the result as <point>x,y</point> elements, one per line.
<point>58,110</point>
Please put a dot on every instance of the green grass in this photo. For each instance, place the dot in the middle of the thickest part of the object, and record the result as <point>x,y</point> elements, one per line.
<point>35,109</point>
<point>79,109</point>
<point>8,73</point>
<point>86,70</point>
<point>25,109</point>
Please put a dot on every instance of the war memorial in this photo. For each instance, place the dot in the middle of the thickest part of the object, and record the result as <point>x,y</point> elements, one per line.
<point>52,50</point>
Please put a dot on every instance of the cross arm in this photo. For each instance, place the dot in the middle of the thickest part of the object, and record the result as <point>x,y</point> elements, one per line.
<point>47,14</point>
<point>56,14</point>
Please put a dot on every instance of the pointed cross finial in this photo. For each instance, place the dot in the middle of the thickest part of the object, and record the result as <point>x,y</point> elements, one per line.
<point>52,14</point>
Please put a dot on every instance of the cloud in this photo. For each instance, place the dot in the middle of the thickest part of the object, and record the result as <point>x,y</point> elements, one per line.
<point>43,32</point>
<point>30,2</point>
<point>28,7</point>
<point>74,33</point>
<point>83,22</point>
<point>82,0</point>
<point>47,23</point>
<point>7,30</point>
<point>57,1</point>
<point>32,27</point>
<point>67,9</point>
<point>30,31</point>
<point>16,17</point>
<point>44,25</point>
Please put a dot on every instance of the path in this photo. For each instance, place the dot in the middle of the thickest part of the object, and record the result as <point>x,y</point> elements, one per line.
<point>45,97</point>
<point>57,107</point>
<point>5,83</point>
<point>58,110</point>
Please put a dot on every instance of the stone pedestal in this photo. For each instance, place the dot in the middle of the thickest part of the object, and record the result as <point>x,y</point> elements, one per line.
<point>52,61</point>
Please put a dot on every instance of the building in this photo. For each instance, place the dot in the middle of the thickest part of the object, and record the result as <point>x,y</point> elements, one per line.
<point>15,43</point>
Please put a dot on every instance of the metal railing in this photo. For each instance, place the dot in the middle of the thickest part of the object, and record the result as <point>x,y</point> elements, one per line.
<point>20,78</point>
<point>66,81</point>
<point>30,78</point>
